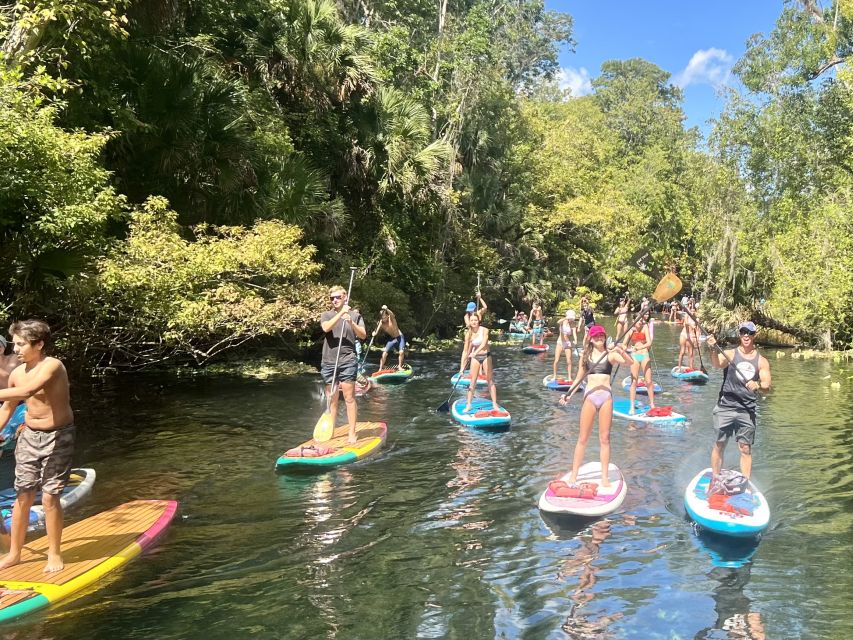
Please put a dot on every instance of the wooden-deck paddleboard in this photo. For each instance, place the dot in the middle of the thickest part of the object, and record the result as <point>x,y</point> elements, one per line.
<point>91,549</point>
<point>371,438</point>
<point>606,500</point>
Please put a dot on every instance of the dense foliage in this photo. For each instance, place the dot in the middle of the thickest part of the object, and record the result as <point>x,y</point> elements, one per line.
<point>178,178</point>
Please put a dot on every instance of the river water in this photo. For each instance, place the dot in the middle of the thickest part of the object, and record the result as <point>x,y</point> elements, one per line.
<point>439,536</point>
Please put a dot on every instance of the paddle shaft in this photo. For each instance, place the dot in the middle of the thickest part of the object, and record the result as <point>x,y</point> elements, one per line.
<point>445,406</point>
<point>370,344</point>
<point>340,343</point>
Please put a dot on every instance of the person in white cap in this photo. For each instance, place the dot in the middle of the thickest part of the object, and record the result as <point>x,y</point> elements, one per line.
<point>746,372</point>
<point>567,340</point>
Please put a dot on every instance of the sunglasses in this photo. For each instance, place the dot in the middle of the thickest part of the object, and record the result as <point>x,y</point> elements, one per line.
<point>747,333</point>
<point>336,297</point>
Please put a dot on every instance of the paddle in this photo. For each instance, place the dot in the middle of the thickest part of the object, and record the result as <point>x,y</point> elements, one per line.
<point>668,287</point>
<point>325,426</point>
<point>370,344</point>
<point>699,349</point>
<point>444,407</point>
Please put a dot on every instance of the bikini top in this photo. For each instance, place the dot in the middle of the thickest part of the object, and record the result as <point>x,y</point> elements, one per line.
<point>477,338</point>
<point>638,336</point>
<point>604,366</point>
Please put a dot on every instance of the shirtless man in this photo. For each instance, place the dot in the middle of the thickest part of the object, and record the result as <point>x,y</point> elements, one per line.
<point>8,362</point>
<point>46,442</point>
<point>396,340</point>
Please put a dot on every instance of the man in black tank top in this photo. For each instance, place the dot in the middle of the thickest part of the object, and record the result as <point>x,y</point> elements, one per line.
<point>734,415</point>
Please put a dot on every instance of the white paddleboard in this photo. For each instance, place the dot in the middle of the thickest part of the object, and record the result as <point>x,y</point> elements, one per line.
<point>732,521</point>
<point>606,500</point>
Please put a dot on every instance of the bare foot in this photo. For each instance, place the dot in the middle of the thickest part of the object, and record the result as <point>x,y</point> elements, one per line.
<point>604,485</point>
<point>54,564</point>
<point>467,409</point>
<point>10,560</point>
<point>353,438</point>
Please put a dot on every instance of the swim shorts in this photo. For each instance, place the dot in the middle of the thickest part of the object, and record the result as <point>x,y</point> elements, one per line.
<point>734,422</point>
<point>398,343</point>
<point>43,459</point>
<point>346,372</point>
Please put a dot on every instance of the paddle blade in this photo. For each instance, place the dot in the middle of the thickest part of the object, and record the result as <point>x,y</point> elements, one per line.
<point>324,428</point>
<point>445,407</point>
<point>668,287</point>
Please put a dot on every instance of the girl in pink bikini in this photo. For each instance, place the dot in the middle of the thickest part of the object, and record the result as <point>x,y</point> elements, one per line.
<point>597,364</point>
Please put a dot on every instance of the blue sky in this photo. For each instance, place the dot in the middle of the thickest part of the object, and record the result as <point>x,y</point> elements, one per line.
<point>696,41</point>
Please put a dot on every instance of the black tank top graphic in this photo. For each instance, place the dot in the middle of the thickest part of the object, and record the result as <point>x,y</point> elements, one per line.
<point>733,393</point>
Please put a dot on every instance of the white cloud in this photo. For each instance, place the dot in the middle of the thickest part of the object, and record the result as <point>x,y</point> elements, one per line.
<point>707,66</point>
<point>577,80</point>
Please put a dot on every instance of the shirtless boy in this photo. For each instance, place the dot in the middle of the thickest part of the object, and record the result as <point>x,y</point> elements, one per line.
<point>46,442</point>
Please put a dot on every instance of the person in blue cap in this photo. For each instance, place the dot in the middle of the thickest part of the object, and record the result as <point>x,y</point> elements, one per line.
<point>475,308</point>
<point>745,373</point>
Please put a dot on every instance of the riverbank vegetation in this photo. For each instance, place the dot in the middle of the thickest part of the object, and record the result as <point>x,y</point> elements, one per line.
<point>180,179</point>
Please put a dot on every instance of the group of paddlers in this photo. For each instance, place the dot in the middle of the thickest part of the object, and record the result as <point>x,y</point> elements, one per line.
<point>734,414</point>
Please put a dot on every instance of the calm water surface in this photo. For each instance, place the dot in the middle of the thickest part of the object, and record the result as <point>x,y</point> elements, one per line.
<point>440,536</point>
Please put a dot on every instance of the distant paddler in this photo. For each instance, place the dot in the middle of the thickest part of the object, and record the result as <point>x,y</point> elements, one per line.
<point>567,340</point>
<point>477,308</point>
<point>587,318</point>
<point>341,326</point>
<point>476,351</point>
<point>536,322</point>
<point>597,362</point>
<point>396,339</point>
<point>640,341</point>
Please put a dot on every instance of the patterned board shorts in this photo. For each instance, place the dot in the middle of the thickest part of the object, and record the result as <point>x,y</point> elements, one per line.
<point>43,459</point>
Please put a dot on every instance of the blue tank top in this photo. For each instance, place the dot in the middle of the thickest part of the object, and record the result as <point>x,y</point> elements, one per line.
<point>733,392</point>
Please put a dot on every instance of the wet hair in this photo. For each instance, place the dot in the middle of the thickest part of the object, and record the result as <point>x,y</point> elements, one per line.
<point>31,330</point>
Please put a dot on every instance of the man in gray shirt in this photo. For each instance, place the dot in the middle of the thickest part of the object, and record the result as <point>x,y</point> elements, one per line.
<point>342,326</point>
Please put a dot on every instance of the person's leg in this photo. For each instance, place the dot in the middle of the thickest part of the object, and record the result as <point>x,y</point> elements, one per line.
<point>348,389</point>
<point>745,439</point>
<point>690,353</point>
<point>717,456</point>
<point>401,346</point>
<point>570,357</point>
<point>20,524</point>
<point>605,419</point>
<point>474,373</point>
<point>493,390</point>
<point>557,353</point>
<point>650,385</point>
<point>588,412</point>
<point>53,526</point>
<point>745,458</point>
<point>383,358</point>
<point>681,349</point>
<point>635,372</point>
<point>333,400</point>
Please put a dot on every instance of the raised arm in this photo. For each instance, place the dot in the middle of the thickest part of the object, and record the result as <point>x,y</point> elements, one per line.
<point>21,390</point>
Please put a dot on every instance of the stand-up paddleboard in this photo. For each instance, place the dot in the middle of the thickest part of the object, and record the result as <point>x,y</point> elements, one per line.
<point>394,375</point>
<point>535,348</point>
<point>482,381</point>
<point>622,409</point>
<point>483,414</point>
<point>696,376</point>
<point>91,549</point>
<point>744,515</point>
<point>586,497</point>
<point>78,488</point>
<point>641,386</point>
<point>560,384</point>
<point>319,456</point>
<point>515,335</point>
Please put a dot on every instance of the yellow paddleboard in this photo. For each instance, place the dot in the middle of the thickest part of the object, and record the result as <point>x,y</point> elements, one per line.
<point>91,548</point>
